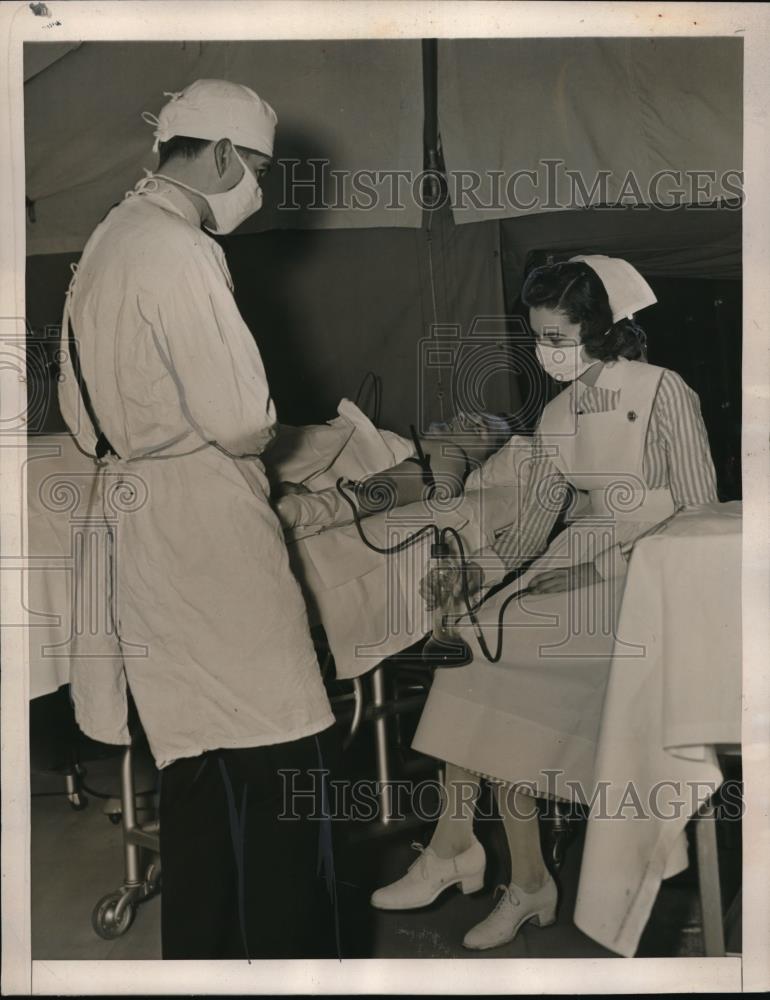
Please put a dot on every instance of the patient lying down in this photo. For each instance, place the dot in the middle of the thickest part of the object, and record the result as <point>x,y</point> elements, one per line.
<point>438,466</point>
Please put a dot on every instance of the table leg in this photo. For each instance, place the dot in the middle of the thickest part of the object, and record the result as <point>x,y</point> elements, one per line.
<point>708,881</point>
<point>733,925</point>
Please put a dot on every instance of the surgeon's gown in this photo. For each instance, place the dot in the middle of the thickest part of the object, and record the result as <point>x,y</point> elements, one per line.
<point>212,626</point>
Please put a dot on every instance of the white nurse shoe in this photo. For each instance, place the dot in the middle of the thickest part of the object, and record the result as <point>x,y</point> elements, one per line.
<point>429,875</point>
<point>514,908</point>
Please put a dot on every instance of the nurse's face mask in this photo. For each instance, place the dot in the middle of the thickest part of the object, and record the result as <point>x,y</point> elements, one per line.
<point>558,346</point>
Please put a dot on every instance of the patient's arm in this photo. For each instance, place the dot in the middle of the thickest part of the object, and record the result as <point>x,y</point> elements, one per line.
<point>440,468</point>
<point>311,511</point>
<point>303,509</point>
<point>287,489</point>
<point>408,482</point>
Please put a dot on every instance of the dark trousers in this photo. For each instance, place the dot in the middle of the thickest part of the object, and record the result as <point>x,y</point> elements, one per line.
<point>239,876</point>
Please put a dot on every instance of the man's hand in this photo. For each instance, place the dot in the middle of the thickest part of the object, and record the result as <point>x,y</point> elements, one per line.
<point>555,580</point>
<point>445,583</point>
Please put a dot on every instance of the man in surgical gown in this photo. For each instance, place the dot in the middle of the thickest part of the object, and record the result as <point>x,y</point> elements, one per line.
<point>171,395</point>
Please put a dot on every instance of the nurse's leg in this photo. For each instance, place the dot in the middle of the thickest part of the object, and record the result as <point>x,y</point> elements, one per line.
<point>531,894</point>
<point>455,857</point>
<point>522,831</point>
<point>454,830</point>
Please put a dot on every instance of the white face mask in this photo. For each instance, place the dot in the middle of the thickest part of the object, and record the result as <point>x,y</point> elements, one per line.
<point>229,208</point>
<point>564,364</point>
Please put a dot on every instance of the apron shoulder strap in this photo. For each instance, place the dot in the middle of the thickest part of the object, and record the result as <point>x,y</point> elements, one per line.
<point>639,384</point>
<point>556,415</point>
<point>103,446</point>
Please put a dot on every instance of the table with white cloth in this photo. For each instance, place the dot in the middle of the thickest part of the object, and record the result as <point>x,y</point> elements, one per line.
<point>61,541</point>
<point>664,714</point>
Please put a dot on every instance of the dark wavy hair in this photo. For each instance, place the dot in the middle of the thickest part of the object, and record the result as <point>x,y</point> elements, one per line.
<point>574,288</point>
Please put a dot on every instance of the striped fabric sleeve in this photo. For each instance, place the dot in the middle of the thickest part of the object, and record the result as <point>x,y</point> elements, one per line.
<point>690,469</point>
<point>691,474</point>
<point>542,502</point>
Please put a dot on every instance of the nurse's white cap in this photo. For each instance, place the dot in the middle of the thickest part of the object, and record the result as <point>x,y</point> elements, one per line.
<point>216,109</point>
<point>626,289</point>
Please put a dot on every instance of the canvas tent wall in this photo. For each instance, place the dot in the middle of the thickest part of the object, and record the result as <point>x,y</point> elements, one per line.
<point>356,104</point>
<point>332,293</point>
<point>584,121</point>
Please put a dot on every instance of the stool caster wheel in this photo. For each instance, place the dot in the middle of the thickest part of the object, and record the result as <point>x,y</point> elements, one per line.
<point>72,778</point>
<point>152,878</point>
<point>103,918</point>
<point>113,810</point>
<point>557,853</point>
<point>561,837</point>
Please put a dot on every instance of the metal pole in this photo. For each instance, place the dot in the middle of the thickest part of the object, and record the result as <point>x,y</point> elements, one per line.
<point>128,805</point>
<point>358,712</point>
<point>381,746</point>
<point>430,103</point>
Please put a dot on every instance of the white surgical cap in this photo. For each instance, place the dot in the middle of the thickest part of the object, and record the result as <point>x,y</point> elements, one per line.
<point>626,289</point>
<point>216,109</point>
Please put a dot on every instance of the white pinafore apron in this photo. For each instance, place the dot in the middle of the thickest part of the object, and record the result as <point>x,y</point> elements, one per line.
<point>533,717</point>
<point>211,622</point>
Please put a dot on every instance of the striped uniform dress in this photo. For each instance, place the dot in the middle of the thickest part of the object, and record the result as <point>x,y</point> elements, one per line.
<point>676,456</point>
<point>539,707</point>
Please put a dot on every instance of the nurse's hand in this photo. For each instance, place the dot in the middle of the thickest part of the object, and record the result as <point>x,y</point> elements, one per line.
<point>446,583</point>
<point>555,580</point>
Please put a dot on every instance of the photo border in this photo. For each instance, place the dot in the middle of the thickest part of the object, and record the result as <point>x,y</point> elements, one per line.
<point>285,19</point>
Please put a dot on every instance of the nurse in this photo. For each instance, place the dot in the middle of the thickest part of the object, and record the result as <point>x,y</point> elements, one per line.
<point>165,387</point>
<point>629,439</point>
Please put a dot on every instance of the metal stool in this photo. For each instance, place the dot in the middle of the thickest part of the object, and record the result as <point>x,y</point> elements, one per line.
<point>115,912</point>
<point>710,891</point>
